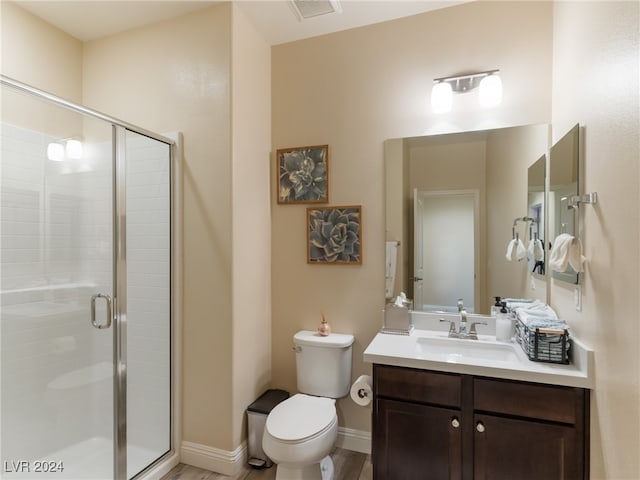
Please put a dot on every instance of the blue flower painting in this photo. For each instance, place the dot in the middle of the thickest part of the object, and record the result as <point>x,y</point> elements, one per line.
<point>303,175</point>
<point>334,235</point>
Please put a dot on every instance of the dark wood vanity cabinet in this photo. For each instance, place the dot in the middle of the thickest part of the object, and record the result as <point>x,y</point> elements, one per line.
<point>433,425</point>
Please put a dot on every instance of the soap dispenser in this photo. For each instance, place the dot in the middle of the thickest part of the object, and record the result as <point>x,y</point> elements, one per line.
<point>495,309</point>
<point>504,324</point>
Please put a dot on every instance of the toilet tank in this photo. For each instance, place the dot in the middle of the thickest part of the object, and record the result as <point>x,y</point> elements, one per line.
<point>323,364</point>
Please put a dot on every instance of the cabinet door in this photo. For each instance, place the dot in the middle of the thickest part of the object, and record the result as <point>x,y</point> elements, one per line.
<point>508,449</point>
<point>416,442</point>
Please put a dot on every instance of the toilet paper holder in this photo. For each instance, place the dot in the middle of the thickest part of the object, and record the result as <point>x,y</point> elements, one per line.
<point>362,391</point>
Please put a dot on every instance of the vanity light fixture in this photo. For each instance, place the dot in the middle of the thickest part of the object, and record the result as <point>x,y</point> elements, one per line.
<point>488,83</point>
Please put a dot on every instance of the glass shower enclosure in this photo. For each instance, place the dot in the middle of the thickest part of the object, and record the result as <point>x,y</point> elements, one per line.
<point>85,291</point>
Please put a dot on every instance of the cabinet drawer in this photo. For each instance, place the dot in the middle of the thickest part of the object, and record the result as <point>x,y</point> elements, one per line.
<point>544,402</point>
<point>416,385</point>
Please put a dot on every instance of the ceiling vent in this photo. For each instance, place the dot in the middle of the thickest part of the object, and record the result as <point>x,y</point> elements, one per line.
<point>304,9</point>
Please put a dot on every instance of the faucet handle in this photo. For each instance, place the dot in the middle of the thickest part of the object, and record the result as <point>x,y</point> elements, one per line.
<point>473,331</point>
<point>452,326</point>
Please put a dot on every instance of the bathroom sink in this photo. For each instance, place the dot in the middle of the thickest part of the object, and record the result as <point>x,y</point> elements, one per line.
<point>432,349</point>
<point>455,350</point>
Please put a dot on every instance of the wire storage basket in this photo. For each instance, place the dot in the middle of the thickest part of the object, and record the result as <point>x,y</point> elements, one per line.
<point>544,342</point>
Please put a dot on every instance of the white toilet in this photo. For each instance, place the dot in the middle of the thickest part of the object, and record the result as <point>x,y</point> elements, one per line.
<point>301,431</point>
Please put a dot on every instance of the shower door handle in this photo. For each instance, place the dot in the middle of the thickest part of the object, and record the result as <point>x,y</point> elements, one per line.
<point>107,299</point>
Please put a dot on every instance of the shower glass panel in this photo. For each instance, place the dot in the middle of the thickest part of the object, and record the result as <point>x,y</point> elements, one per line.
<point>85,292</point>
<point>56,258</point>
<point>148,204</point>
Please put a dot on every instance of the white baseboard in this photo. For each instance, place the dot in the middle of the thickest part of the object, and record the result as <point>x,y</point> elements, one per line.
<point>355,440</point>
<point>230,463</point>
<point>214,459</point>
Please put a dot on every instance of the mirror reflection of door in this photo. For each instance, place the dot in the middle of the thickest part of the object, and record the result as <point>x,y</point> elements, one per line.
<point>445,229</point>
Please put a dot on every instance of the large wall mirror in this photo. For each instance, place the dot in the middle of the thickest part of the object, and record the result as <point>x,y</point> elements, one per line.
<point>451,201</point>
<point>563,186</point>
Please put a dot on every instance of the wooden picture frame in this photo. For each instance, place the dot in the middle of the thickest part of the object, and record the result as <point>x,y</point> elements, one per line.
<point>303,174</point>
<point>334,235</point>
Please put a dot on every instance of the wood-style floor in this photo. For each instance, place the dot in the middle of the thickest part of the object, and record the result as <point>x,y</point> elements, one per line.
<point>348,465</point>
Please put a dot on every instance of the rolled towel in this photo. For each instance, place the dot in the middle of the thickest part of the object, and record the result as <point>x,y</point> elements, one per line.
<point>566,250</point>
<point>538,250</point>
<point>576,259</point>
<point>510,248</point>
<point>530,249</point>
<point>521,252</point>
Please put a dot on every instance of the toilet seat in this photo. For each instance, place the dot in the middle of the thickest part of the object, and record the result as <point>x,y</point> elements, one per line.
<point>301,418</point>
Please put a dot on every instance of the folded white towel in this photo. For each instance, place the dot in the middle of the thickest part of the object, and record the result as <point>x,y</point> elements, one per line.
<point>533,309</point>
<point>566,250</point>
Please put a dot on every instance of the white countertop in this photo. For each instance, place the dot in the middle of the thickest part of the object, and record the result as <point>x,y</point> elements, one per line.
<point>510,362</point>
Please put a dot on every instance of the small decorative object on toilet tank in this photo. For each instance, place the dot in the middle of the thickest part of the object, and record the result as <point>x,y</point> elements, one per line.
<point>324,329</point>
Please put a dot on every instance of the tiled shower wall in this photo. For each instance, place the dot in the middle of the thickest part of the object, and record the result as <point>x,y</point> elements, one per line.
<point>55,252</point>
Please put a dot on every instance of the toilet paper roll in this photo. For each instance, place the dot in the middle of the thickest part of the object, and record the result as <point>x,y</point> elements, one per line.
<point>361,391</point>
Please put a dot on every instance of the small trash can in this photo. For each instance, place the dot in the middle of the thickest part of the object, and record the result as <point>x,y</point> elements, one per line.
<point>257,418</point>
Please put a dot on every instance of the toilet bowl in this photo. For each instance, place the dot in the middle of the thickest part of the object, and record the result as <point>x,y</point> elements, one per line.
<point>299,435</point>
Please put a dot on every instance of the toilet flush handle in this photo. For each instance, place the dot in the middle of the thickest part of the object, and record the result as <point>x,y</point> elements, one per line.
<point>297,348</point>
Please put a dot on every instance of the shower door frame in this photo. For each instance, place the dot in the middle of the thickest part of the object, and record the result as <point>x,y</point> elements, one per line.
<point>119,128</point>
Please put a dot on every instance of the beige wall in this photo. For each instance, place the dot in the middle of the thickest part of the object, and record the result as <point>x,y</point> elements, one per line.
<point>596,83</point>
<point>40,55</point>
<point>35,53</point>
<point>170,76</point>
<point>355,89</point>
<point>251,140</point>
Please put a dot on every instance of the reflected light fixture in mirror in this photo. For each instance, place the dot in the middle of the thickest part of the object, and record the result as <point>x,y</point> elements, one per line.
<point>488,83</point>
<point>55,152</point>
<point>74,149</point>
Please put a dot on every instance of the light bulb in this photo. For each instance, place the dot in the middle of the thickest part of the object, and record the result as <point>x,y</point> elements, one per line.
<point>490,91</point>
<point>441,97</point>
<point>74,149</point>
<point>55,152</point>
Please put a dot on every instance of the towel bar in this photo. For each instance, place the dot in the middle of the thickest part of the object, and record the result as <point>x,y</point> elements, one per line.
<point>576,200</point>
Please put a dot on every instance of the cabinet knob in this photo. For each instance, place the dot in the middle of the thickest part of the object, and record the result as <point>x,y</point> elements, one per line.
<point>480,427</point>
<point>455,423</point>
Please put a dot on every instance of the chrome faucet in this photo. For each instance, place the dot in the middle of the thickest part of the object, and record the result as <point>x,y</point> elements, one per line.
<point>462,328</point>
<point>471,334</point>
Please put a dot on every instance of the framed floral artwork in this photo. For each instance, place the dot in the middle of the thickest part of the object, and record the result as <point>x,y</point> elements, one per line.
<point>303,174</point>
<point>334,235</point>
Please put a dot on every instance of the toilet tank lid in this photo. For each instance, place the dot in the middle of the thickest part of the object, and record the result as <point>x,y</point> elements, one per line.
<point>336,340</point>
